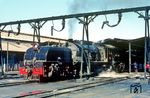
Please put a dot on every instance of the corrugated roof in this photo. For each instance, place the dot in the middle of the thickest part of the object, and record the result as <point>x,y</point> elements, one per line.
<point>22,41</point>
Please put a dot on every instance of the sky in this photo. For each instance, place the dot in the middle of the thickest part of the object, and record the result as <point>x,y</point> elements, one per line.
<point>130,27</point>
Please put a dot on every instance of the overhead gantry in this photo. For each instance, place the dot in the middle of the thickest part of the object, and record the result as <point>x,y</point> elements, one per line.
<point>85,19</point>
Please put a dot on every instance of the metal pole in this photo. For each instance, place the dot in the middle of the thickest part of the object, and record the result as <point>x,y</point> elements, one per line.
<point>81,67</point>
<point>145,59</point>
<point>87,35</point>
<point>146,54</point>
<point>129,57</point>
<point>1,51</point>
<point>7,55</point>
<point>38,32</point>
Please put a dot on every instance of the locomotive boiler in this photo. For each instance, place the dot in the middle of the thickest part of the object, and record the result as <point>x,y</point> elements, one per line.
<point>51,62</point>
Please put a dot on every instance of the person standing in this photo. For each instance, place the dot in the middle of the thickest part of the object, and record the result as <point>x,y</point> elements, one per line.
<point>135,66</point>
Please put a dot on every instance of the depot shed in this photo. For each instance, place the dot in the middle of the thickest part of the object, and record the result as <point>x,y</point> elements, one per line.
<point>14,47</point>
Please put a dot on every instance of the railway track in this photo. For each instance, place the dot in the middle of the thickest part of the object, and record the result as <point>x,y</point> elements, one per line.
<point>60,91</point>
<point>3,78</point>
<point>15,83</point>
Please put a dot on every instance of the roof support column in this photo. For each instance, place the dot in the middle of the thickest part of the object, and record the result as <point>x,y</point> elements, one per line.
<point>147,39</point>
<point>86,20</point>
<point>147,42</point>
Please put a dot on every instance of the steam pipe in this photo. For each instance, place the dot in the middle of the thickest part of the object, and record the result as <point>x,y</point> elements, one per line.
<point>107,22</point>
<point>63,26</point>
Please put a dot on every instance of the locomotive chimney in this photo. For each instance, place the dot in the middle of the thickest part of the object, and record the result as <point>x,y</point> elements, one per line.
<point>70,40</point>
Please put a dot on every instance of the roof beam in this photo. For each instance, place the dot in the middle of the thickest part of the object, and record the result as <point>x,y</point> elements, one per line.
<point>125,10</point>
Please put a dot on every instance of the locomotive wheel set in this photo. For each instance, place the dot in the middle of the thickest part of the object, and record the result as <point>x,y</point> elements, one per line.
<point>55,62</point>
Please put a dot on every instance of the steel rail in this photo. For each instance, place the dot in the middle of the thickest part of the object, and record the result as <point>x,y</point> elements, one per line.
<point>124,10</point>
<point>16,83</point>
<point>81,87</point>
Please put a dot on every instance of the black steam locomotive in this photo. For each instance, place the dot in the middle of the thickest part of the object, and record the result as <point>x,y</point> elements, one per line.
<point>68,60</point>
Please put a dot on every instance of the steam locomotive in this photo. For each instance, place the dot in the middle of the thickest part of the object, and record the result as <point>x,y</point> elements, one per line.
<point>66,61</point>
